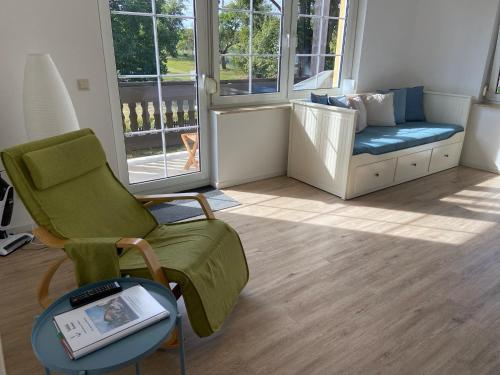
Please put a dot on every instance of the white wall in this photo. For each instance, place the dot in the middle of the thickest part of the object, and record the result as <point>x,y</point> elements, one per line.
<point>70,31</point>
<point>443,44</point>
<point>451,44</point>
<point>387,33</point>
<point>482,142</point>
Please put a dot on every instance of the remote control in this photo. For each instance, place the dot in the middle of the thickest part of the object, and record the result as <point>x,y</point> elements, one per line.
<point>94,294</point>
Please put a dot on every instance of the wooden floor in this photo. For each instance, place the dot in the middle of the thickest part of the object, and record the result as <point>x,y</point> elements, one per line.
<point>403,281</point>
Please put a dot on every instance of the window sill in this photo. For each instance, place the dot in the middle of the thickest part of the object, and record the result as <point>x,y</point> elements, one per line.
<point>232,110</point>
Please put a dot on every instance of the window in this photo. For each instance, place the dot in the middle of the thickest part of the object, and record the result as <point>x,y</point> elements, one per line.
<point>249,46</point>
<point>320,38</point>
<point>494,85</point>
<point>261,45</point>
<point>156,65</point>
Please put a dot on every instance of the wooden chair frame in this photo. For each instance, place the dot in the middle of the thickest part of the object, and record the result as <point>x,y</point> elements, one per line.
<point>138,244</point>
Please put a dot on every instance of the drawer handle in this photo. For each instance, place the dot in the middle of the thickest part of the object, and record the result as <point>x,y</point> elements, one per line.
<point>414,164</point>
<point>446,155</point>
<point>377,174</point>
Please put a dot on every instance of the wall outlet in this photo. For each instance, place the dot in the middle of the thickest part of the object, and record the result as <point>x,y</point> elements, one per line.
<point>83,84</point>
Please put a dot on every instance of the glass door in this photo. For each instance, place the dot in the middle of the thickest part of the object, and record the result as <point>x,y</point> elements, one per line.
<point>155,50</point>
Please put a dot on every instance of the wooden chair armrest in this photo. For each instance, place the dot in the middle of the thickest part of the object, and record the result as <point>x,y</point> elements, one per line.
<point>44,283</point>
<point>151,200</point>
<point>48,239</point>
<point>138,244</point>
<point>149,256</point>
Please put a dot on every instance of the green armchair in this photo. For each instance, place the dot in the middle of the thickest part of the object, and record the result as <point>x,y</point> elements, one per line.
<point>71,193</point>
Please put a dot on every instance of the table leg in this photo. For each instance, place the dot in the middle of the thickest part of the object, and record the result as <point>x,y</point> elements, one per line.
<point>137,369</point>
<point>181,345</point>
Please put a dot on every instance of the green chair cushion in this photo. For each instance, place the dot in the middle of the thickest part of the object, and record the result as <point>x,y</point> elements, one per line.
<point>206,259</point>
<point>94,204</point>
<point>65,161</point>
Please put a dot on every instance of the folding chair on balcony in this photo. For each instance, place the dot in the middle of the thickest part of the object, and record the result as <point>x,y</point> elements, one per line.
<point>77,202</point>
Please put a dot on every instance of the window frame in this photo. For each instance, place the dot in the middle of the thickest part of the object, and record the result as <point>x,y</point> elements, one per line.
<point>287,63</point>
<point>347,55</point>
<point>173,183</point>
<point>492,95</point>
<point>278,96</point>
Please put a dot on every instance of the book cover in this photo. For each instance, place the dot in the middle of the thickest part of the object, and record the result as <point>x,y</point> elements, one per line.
<point>103,322</point>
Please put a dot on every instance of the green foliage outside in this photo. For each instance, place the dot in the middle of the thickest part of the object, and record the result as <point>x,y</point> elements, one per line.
<point>234,31</point>
<point>133,37</point>
<point>134,44</point>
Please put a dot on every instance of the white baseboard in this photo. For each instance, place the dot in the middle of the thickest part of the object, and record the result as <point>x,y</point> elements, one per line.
<point>178,187</point>
<point>229,183</point>
<point>22,228</point>
<point>480,167</point>
<point>3,371</point>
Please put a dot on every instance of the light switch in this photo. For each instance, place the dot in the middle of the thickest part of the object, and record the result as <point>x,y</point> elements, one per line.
<point>83,84</point>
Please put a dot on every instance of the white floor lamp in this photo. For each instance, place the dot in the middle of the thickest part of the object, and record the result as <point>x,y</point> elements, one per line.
<point>48,111</point>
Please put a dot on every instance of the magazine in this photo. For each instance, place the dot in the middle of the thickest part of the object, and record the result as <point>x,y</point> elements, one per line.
<point>90,327</point>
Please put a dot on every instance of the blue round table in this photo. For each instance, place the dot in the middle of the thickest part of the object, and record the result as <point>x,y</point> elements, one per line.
<point>125,352</point>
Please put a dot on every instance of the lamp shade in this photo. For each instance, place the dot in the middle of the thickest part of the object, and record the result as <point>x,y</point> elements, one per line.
<point>48,109</point>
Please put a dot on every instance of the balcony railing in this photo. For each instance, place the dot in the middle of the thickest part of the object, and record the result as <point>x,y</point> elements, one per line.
<point>141,116</point>
<point>141,113</point>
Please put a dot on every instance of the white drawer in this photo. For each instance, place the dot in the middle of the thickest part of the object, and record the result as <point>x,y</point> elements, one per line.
<point>374,176</point>
<point>445,157</point>
<point>413,166</point>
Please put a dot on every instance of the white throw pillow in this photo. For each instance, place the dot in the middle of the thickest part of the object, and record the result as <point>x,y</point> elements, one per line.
<point>380,109</point>
<point>356,102</point>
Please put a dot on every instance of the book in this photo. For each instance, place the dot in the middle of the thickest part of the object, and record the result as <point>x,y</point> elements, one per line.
<point>100,323</point>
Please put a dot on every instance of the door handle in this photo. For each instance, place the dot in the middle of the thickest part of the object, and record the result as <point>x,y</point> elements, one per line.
<point>209,84</point>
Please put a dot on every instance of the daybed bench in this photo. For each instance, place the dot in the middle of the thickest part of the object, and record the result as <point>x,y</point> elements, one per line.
<point>325,151</point>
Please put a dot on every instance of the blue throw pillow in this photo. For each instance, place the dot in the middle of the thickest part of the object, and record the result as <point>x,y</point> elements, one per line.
<point>415,104</point>
<point>339,101</point>
<point>399,105</point>
<point>319,99</point>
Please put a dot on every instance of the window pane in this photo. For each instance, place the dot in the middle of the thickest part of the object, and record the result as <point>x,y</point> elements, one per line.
<point>326,74</point>
<point>321,35</point>
<point>234,32</point>
<point>334,40</point>
<point>268,5</point>
<point>265,75</point>
<point>181,121</point>
<point>308,35</point>
<point>335,8</point>
<point>266,34</point>
<point>235,4</point>
<point>302,72</point>
<point>311,7</point>
<point>175,7</point>
<point>133,44</point>
<point>141,127</point>
<point>314,72</point>
<point>143,6</point>
<point>237,38</point>
<point>176,45</point>
<point>234,75</point>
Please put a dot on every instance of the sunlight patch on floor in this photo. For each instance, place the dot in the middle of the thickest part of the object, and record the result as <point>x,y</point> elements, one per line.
<point>398,223</point>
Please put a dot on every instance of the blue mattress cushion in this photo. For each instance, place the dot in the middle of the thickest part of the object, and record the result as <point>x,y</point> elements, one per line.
<point>378,140</point>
